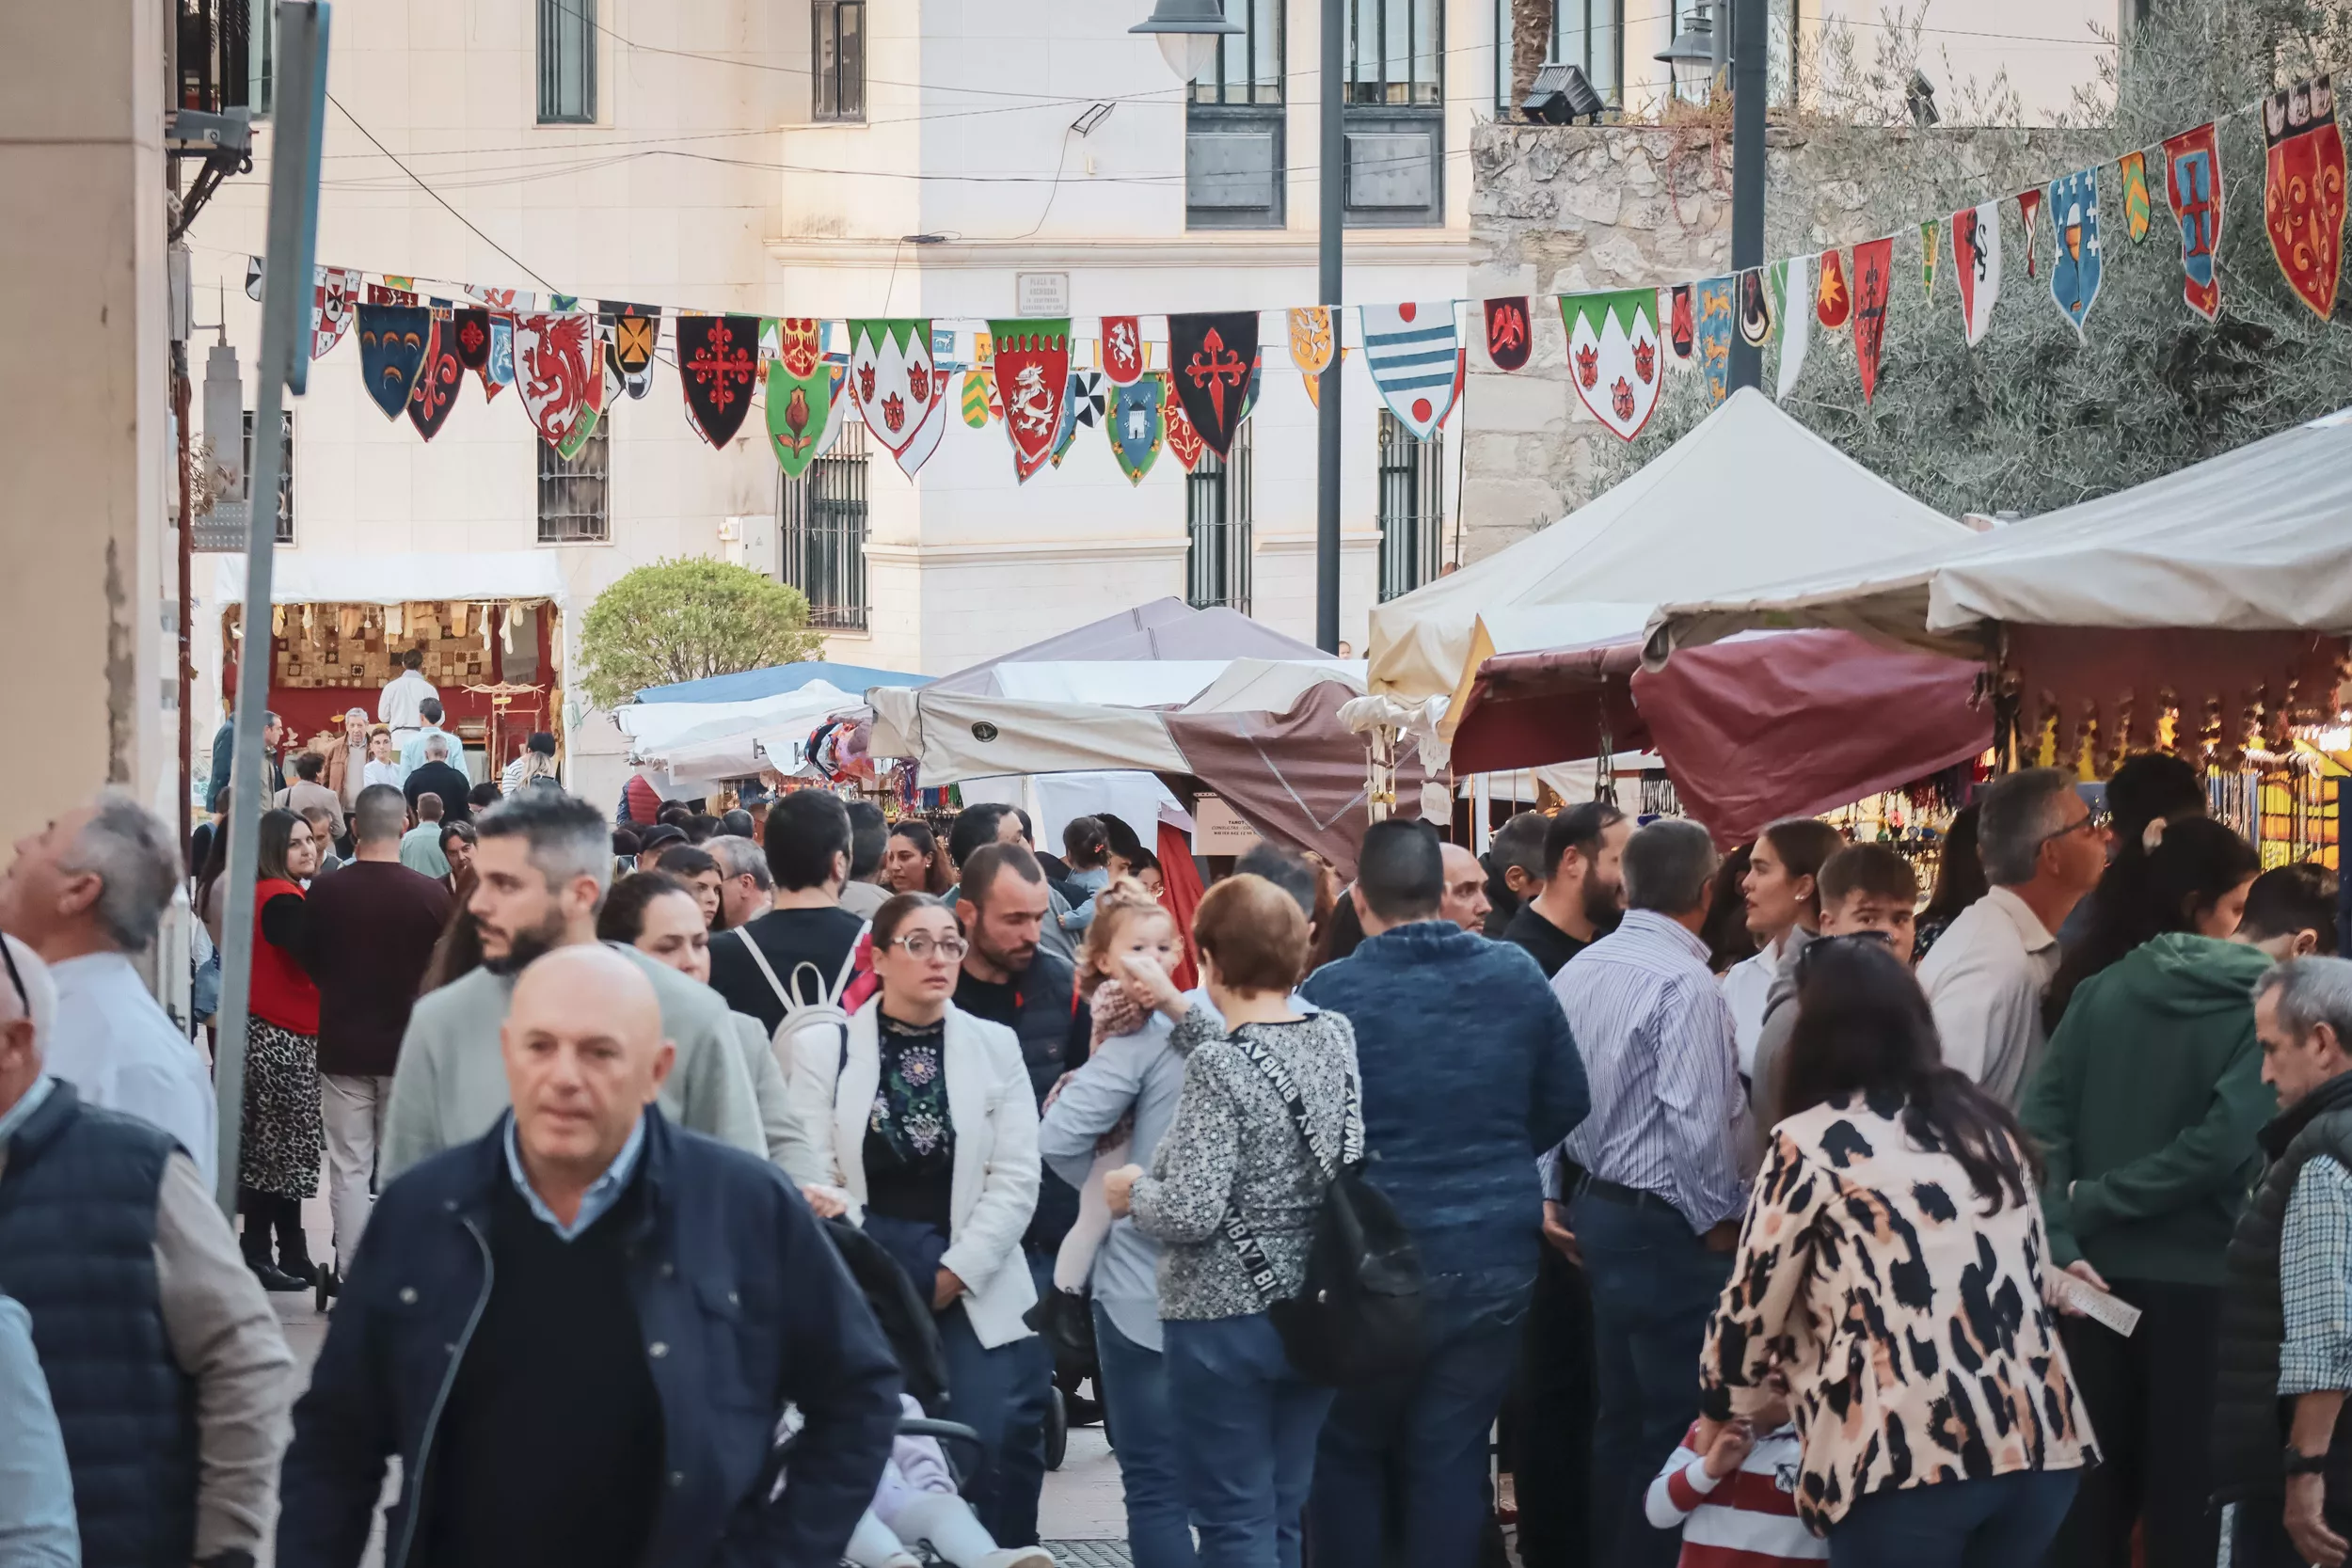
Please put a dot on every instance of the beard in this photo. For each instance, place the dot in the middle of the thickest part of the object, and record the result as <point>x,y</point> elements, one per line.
<point>1600,904</point>
<point>526,946</point>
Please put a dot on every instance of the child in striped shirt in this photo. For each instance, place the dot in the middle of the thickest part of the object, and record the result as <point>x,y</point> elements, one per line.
<point>1732,1493</point>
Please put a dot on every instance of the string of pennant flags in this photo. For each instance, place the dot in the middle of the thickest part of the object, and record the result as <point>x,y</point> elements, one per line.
<point>572,360</point>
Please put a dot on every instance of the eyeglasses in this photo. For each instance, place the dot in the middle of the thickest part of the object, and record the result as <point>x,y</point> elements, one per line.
<point>920,947</point>
<point>2100,820</point>
<point>16,980</point>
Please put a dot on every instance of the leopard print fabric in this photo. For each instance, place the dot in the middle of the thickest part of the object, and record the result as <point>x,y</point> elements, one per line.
<point>1911,1324</point>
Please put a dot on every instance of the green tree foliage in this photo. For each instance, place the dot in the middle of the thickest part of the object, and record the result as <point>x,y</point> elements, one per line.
<point>2030,420</point>
<point>687,619</point>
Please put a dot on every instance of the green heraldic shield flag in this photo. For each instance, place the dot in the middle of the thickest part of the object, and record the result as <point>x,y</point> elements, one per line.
<point>1612,355</point>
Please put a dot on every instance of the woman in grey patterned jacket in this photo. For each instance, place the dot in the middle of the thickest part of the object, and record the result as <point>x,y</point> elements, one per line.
<point>1248,1422</point>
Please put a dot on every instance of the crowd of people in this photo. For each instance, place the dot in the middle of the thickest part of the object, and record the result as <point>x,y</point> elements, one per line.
<point>683,1175</point>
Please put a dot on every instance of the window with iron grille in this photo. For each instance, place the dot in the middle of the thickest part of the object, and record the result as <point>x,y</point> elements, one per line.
<point>1412,507</point>
<point>1249,68</point>
<point>839,53</point>
<point>1589,34</point>
<point>822,530</point>
<point>574,494</point>
<point>1397,51</point>
<point>285,470</point>
<point>567,62</point>
<point>1216,526</point>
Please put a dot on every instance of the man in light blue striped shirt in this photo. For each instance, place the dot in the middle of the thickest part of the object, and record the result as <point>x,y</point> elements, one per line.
<point>1657,1197</point>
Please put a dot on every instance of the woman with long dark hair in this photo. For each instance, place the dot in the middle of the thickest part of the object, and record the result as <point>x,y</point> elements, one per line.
<point>912,861</point>
<point>1890,1270</point>
<point>277,1157</point>
<point>1960,881</point>
<point>2194,879</point>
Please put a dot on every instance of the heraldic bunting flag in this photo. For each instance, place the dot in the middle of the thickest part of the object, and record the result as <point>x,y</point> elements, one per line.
<point>391,352</point>
<point>1032,374</point>
<point>1833,301</point>
<point>892,380</point>
<point>2029,209</point>
<point>1122,349</point>
<point>2075,269</point>
<point>498,364</point>
<point>2303,189</point>
<point>1310,341</point>
<point>437,380</point>
<point>1756,310</point>
<point>1715,310</point>
<point>1977,265</point>
<point>1211,355</point>
<point>1614,359</point>
<point>1509,334</point>
<point>1874,280</point>
<point>334,296</point>
<point>1183,439</point>
<point>473,338</point>
<point>2192,187</point>
<point>800,395</point>
<point>635,332</point>
<point>1792,290</point>
<point>1136,426</point>
<point>1081,409</point>
<point>718,356</point>
<point>559,372</point>
<point>1411,351</point>
<point>2133,167</point>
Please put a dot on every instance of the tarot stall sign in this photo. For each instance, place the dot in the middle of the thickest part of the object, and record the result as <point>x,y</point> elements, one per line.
<point>1509,336</point>
<point>799,394</point>
<point>498,364</point>
<point>1833,301</point>
<point>891,373</point>
<point>392,340</point>
<point>1680,329</point>
<point>1977,265</point>
<point>718,358</point>
<point>1613,356</point>
<point>1791,281</point>
<point>1412,352</point>
<point>437,381</point>
<point>334,297</point>
<point>1183,439</point>
<point>1713,300</point>
<point>1032,374</point>
<point>1874,280</point>
<point>1082,406</point>
<point>471,329</point>
<point>1756,311</point>
<point>2192,187</point>
<point>1312,341</point>
<point>636,331</point>
<point>1928,245</point>
<point>2029,209</point>
<point>2133,167</point>
<point>1122,349</point>
<point>559,371</point>
<point>2303,190</point>
<point>1136,426</point>
<point>1209,354</point>
<point>2076,266</point>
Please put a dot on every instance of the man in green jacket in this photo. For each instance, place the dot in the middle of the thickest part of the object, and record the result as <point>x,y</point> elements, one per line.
<point>2145,1107</point>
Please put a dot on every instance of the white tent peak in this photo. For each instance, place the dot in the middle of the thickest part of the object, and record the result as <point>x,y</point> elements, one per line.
<point>1749,496</point>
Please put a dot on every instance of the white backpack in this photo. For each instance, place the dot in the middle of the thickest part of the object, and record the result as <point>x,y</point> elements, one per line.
<point>809,1003</point>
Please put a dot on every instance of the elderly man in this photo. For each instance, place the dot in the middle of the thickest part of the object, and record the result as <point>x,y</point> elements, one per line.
<point>2043,850</point>
<point>165,1362</point>
<point>541,868</point>
<point>746,886</point>
<point>594,1322</point>
<point>1657,1210</point>
<point>225,756</point>
<point>86,892</point>
<point>435,774</point>
<point>412,745</point>
<point>1465,903</point>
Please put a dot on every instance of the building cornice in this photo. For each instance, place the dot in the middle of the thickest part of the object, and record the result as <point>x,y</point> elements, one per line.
<point>1224,249</point>
<point>1028,551</point>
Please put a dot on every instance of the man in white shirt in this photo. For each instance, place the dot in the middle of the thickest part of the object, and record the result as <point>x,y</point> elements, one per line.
<point>403,699</point>
<point>86,893</point>
<point>2042,851</point>
<point>412,753</point>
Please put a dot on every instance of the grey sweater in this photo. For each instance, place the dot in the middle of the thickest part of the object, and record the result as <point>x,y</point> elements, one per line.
<point>1234,1145</point>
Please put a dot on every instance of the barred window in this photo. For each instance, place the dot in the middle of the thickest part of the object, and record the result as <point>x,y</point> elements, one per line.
<point>839,53</point>
<point>567,62</point>
<point>1412,507</point>
<point>1585,33</point>
<point>575,494</point>
<point>1396,51</point>
<point>285,470</point>
<point>822,530</point>
<point>1218,517</point>
<point>1248,67</point>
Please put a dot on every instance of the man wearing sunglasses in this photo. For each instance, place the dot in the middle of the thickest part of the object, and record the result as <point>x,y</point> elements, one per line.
<point>170,1377</point>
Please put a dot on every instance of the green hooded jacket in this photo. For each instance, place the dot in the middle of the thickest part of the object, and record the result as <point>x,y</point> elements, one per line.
<point>2146,1105</point>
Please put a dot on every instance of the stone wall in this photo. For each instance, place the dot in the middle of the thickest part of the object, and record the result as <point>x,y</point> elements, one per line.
<point>1568,208</point>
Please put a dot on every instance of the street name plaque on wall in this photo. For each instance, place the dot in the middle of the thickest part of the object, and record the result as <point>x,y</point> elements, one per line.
<point>1040,294</point>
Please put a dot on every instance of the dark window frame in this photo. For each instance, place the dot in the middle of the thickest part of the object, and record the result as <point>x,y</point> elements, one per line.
<point>823,520</point>
<point>580,490</point>
<point>1219,522</point>
<point>1411,500</point>
<point>1600,19</point>
<point>836,61</point>
<point>1265,25</point>
<point>1380,90</point>
<point>567,82</point>
<point>284,533</point>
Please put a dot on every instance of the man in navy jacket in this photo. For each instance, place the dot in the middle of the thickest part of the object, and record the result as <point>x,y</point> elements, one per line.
<point>580,1333</point>
<point>1469,1073</point>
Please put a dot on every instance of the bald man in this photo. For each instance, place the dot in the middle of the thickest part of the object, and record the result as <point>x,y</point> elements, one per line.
<point>630,1307</point>
<point>1465,901</point>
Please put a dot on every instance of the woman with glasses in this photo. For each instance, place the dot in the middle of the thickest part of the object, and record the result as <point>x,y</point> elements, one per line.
<point>277,1157</point>
<point>923,1116</point>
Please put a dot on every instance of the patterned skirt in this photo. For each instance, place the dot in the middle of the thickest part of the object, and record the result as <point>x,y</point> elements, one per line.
<point>279,1150</point>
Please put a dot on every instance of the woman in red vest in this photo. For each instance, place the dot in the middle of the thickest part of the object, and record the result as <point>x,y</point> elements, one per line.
<point>277,1163</point>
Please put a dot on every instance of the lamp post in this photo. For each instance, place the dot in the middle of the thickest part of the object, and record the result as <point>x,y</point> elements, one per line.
<point>1186,32</point>
<point>1741,46</point>
<point>1690,57</point>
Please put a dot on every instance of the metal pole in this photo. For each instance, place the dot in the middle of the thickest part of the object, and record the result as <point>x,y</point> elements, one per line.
<point>1332,195</point>
<point>285,363</point>
<point>1749,51</point>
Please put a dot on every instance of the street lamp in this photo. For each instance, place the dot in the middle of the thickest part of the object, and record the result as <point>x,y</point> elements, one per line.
<point>1187,32</point>
<point>1692,55</point>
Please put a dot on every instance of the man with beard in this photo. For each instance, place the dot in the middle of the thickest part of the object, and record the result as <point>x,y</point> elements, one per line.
<point>1584,893</point>
<point>541,868</point>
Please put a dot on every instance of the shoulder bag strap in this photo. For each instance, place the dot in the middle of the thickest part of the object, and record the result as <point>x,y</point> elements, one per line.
<point>1237,1228</point>
<point>745,936</point>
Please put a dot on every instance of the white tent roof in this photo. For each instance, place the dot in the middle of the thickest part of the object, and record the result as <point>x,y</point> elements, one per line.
<point>300,578</point>
<point>2259,539</point>
<point>725,740</point>
<point>1750,496</point>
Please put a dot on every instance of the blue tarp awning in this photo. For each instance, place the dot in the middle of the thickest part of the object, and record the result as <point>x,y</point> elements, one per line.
<point>749,684</point>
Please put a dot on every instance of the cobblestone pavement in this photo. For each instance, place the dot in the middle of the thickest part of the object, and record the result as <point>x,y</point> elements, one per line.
<point>1090,1554</point>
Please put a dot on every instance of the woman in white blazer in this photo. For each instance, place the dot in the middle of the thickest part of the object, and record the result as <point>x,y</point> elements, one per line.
<point>925,1116</point>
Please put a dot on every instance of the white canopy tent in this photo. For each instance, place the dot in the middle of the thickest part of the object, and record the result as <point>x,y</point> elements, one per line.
<point>705,741</point>
<point>301,578</point>
<point>1750,496</point>
<point>2255,540</point>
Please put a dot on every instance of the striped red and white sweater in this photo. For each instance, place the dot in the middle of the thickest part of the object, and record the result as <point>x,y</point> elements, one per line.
<point>1746,1520</point>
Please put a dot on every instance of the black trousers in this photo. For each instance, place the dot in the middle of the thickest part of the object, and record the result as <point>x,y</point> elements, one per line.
<point>2150,1403</point>
<point>1548,1425</point>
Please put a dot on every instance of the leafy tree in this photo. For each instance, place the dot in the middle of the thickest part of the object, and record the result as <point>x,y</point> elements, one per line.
<point>687,619</point>
<point>2030,420</point>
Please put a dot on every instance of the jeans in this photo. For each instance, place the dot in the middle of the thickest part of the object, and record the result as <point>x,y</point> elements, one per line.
<point>1248,1423</point>
<point>1015,1524</point>
<point>1654,1286</point>
<point>352,1108</point>
<point>2149,1397</point>
<point>1141,1419</point>
<point>1994,1522</point>
<point>1548,1425</point>
<point>1427,1431</point>
<point>985,1392</point>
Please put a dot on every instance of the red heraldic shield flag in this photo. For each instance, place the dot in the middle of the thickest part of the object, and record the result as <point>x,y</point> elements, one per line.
<point>2303,189</point>
<point>718,359</point>
<point>1123,350</point>
<point>472,331</point>
<point>2192,184</point>
<point>2030,208</point>
<point>1183,439</point>
<point>560,370</point>
<point>1032,377</point>
<point>1680,333</point>
<point>435,392</point>
<point>1873,275</point>
<point>1509,337</point>
<point>1209,354</point>
<point>333,298</point>
<point>1833,302</point>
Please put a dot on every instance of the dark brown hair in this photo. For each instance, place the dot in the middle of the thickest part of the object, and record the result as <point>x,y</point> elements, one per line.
<point>895,913</point>
<point>1254,932</point>
<point>1869,868</point>
<point>1804,844</point>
